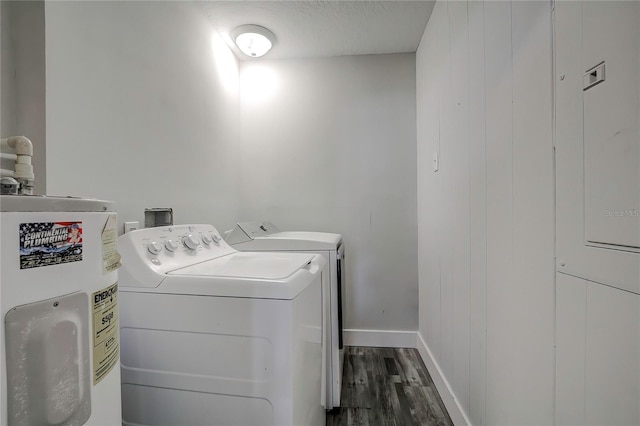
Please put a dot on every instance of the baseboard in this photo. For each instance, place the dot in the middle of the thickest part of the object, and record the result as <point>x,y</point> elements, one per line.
<point>380,338</point>
<point>458,417</point>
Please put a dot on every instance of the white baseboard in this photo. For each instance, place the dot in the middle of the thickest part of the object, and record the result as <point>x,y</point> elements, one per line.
<point>457,414</point>
<point>380,338</point>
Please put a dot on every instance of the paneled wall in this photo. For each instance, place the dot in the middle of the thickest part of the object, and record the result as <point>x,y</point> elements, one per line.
<point>485,217</point>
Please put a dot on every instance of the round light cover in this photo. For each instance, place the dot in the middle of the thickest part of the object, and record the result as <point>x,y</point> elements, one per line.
<point>253,40</point>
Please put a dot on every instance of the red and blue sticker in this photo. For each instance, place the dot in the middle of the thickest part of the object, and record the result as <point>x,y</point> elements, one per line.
<point>50,243</point>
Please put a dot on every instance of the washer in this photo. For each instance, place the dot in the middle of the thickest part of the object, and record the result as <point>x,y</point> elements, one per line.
<point>214,336</point>
<point>265,236</point>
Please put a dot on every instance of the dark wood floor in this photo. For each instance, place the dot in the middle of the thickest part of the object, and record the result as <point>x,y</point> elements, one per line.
<point>387,386</point>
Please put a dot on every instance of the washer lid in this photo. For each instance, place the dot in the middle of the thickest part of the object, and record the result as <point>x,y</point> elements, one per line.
<point>292,241</point>
<point>248,265</point>
<point>310,237</point>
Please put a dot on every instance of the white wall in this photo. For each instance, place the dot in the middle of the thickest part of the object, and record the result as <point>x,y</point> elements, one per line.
<point>8,84</point>
<point>23,79</point>
<point>141,109</point>
<point>137,113</point>
<point>4,57</point>
<point>329,145</point>
<point>486,218</point>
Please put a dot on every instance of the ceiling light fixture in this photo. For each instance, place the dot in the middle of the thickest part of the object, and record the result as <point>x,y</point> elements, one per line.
<point>253,40</point>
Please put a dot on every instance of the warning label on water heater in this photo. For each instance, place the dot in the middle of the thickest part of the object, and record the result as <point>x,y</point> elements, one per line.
<point>106,341</point>
<point>50,243</point>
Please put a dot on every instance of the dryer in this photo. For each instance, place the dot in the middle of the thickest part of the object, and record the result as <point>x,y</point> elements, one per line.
<point>265,236</point>
<point>214,336</point>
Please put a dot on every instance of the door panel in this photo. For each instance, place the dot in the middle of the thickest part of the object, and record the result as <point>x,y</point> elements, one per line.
<point>611,37</point>
<point>597,142</point>
<point>597,353</point>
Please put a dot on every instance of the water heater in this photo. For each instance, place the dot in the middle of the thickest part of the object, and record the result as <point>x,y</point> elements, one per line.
<point>59,339</point>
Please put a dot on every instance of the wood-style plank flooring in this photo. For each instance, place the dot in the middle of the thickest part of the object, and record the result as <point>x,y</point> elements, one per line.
<point>387,386</point>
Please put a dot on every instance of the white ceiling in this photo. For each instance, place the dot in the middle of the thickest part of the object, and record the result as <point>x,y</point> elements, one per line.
<point>327,28</point>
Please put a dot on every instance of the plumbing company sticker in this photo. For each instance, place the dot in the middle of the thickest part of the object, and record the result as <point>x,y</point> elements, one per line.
<point>106,346</point>
<point>50,243</point>
<point>110,255</point>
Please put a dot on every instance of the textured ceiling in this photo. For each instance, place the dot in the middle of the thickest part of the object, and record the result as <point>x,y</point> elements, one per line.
<point>327,28</point>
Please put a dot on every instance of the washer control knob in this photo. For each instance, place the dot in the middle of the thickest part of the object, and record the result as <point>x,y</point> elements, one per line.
<point>216,237</point>
<point>171,245</point>
<point>154,247</point>
<point>190,242</point>
<point>207,239</point>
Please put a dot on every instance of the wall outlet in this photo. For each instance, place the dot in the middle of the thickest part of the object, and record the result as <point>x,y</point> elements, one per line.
<point>131,226</point>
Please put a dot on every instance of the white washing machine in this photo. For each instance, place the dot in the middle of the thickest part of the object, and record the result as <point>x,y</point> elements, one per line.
<point>213,336</point>
<point>265,236</point>
<point>59,337</point>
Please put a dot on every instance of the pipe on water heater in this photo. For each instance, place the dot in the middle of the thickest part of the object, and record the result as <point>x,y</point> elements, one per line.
<point>22,148</point>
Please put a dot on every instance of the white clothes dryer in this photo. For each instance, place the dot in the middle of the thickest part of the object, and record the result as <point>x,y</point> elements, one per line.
<point>214,336</point>
<point>265,236</point>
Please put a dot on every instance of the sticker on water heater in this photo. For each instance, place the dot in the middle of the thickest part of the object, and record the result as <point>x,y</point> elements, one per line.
<point>50,243</point>
<point>106,337</point>
<point>110,256</point>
